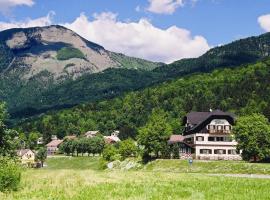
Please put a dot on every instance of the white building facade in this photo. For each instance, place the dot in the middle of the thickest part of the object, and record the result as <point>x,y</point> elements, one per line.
<point>210,135</point>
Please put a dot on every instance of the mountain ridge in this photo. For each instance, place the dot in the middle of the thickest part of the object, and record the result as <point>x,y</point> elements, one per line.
<point>40,93</point>
<point>38,48</point>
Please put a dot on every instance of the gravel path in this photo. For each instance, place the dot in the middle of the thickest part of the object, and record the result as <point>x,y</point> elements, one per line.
<point>262,176</point>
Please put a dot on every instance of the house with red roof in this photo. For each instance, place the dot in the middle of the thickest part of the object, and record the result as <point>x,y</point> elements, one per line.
<point>53,146</point>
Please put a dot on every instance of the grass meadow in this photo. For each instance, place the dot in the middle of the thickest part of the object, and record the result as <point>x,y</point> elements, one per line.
<point>80,179</point>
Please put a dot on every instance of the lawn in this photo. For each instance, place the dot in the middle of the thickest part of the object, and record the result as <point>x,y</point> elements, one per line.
<point>213,167</point>
<point>79,182</point>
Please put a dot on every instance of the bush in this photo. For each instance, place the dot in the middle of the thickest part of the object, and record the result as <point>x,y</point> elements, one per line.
<point>127,148</point>
<point>110,153</point>
<point>10,174</point>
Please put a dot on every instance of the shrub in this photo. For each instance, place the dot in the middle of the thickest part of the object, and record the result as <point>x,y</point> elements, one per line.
<point>110,153</point>
<point>10,174</point>
<point>127,148</point>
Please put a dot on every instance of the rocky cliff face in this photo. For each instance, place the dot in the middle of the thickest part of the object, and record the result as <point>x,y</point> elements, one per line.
<point>59,51</point>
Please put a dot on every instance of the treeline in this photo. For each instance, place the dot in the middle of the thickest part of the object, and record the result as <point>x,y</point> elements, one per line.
<point>244,90</point>
<point>94,145</point>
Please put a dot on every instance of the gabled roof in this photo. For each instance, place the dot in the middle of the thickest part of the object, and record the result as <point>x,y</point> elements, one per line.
<point>21,152</point>
<point>91,133</point>
<point>196,117</point>
<point>54,143</point>
<point>200,119</point>
<point>110,139</point>
<point>71,137</point>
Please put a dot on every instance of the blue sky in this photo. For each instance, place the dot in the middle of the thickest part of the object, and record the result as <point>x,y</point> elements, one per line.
<point>216,21</point>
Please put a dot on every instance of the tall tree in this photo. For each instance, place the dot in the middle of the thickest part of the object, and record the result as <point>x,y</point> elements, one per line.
<point>41,155</point>
<point>7,136</point>
<point>32,139</point>
<point>252,133</point>
<point>155,134</point>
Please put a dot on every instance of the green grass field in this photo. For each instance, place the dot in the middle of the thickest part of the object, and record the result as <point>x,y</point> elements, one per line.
<point>80,179</point>
<point>212,167</point>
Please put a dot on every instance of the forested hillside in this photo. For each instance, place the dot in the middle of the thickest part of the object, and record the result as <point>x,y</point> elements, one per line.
<point>39,60</point>
<point>27,96</point>
<point>232,55</point>
<point>242,90</point>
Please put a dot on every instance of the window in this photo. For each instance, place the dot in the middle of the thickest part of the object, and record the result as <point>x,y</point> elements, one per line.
<point>219,139</point>
<point>189,140</point>
<point>205,151</point>
<point>211,139</point>
<point>232,152</point>
<point>220,128</point>
<point>199,138</point>
<point>219,151</point>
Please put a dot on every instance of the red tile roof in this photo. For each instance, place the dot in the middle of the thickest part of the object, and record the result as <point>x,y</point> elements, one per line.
<point>176,138</point>
<point>54,143</point>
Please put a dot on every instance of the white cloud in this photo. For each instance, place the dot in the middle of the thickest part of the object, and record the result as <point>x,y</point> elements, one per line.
<point>43,21</point>
<point>140,39</point>
<point>164,6</point>
<point>6,5</point>
<point>264,22</point>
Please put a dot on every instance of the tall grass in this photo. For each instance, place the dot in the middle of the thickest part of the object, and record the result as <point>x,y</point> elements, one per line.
<point>80,179</point>
<point>89,184</point>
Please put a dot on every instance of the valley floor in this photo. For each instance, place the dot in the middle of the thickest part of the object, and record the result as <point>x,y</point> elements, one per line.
<point>79,178</point>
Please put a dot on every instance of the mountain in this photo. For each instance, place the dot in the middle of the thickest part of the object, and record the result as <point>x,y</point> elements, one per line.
<point>29,93</point>
<point>59,51</point>
<point>33,61</point>
<point>231,55</point>
<point>242,90</point>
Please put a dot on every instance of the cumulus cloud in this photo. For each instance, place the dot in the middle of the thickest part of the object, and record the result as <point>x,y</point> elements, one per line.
<point>164,6</point>
<point>140,39</point>
<point>42,21</point>
<point>6,5</point>
<point>264,22</point>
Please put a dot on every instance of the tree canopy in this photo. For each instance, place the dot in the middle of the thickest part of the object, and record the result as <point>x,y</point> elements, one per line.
<point>252,132</point>
<point>153,137</point>
<point>7,136</point>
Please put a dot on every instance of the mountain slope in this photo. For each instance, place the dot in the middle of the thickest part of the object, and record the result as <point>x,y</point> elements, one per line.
<point>35,60</point>
<point>59,51</point>
<point>239,52</point>
<point>243,90</point>
<point>42,92</point>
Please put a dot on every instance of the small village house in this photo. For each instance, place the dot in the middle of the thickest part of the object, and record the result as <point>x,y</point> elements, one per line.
<point>113,138</point>
<point>70,137</point>
<point>27,157</point>
<point>208,135</point>
<point>53,146</point>
<point>90,134</point>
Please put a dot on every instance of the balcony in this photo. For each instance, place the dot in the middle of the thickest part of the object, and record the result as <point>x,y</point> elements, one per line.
<point>217,132</point>
<point>216,143</point>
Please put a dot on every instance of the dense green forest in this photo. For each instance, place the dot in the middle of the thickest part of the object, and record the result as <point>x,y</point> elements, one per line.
<point>42,93</point>
<point>243,90</point>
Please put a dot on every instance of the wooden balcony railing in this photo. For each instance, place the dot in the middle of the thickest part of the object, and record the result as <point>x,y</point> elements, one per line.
<point>212,131</point>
